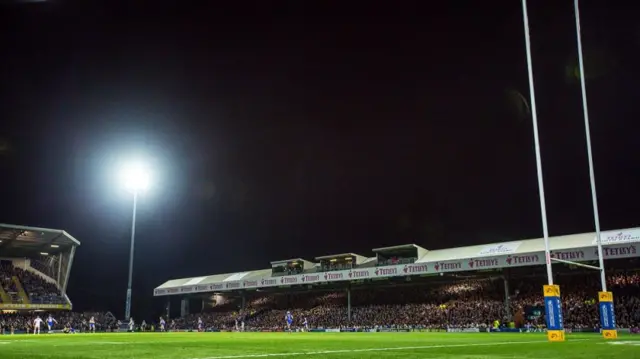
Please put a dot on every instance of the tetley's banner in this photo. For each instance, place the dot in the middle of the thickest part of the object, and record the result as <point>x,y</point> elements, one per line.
<point>482,262</point>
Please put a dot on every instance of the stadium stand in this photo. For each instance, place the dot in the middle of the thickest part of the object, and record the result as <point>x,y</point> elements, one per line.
<point>409,286</point>
<point>35,264</point>
<point>465,303</point>
<point>412,260</point>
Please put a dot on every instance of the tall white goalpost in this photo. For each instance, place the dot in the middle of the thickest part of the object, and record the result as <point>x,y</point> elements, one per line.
<point>553,304</point>
<point>605,298</point>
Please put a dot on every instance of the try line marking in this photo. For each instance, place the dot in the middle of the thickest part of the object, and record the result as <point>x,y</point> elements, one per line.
<point>345,351</point>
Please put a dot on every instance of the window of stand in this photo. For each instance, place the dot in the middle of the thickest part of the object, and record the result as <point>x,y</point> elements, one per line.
<point>290,268</point>
<point>335,264</point>
<point>400,256</point>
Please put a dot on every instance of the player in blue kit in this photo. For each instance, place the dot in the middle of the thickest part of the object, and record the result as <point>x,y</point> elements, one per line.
<point>50,322</point>
<point>289,319</point>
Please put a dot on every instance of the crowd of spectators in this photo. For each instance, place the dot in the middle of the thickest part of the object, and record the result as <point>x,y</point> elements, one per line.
<point>36,287</point>
<point>434,304</point>
<point>467,303</point>
<point>10,322</point>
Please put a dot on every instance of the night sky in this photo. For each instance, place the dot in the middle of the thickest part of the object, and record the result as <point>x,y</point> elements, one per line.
<point>286,129</point>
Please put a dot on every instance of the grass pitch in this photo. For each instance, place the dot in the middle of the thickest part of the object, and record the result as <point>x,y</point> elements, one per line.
<point>314,345</point>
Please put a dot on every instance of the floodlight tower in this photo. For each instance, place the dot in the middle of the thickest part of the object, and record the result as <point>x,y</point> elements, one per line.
<point>135,178</point>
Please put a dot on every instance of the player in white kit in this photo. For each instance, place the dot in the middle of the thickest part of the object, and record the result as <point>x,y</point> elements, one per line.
<point>162,325</point>
<point>92,325</point>
<point>132,324</point>
<point>36,325</point>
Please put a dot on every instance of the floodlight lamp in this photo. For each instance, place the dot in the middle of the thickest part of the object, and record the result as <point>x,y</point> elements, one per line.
<point>135,177</point>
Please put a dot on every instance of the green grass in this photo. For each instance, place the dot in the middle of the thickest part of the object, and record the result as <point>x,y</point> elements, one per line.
<point>314,345</point>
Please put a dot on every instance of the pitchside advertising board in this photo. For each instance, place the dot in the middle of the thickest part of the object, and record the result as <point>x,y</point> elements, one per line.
<point>34,306</point>
<point>482,262</point>
<point>553,309</point>
<point>607,317</point>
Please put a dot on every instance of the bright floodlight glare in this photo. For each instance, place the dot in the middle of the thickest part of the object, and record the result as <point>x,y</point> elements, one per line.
<point>135,177</point>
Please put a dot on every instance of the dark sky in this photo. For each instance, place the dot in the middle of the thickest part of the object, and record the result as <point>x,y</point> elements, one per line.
<point>288,129</point>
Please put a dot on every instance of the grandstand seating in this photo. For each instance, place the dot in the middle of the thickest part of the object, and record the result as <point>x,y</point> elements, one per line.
<point>22,294</point>
<point>24,287</point>
<point>466,303</point>
<point>436,305</point>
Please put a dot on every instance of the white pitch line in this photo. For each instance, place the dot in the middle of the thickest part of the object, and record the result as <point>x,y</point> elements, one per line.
<point>344,351</point>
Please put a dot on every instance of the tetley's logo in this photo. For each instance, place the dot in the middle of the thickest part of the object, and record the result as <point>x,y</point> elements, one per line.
<point>250,283</point>
<point>567,255</point>
<point>447,266</point>
<point>386,271</point>
<point>233,285</point>
<point>415,268</point>
<point>516,260</point>
<point>614,252</point>
<point>266,282</point>
<point>333,276</point>
<point>483,263</point>
<point>311,278</point>
<point>289,280</point>
<point>358,274</point>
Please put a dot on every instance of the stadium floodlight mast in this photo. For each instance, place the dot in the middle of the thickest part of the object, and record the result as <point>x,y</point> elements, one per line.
<point>135,178</point>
